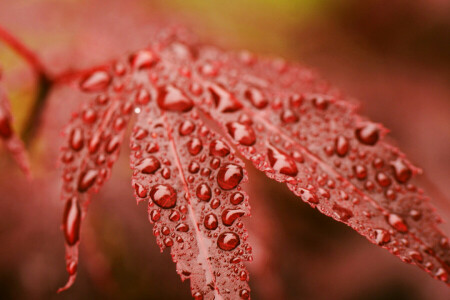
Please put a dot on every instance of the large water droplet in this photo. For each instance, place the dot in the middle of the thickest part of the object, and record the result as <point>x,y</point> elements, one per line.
<point>219,148</point>
<point>382,236</point>
<point>229,176</point>
<point>187,127</point>
<point>203,192</point>
<point>72,221</point>
<point>211,222</point>
<point>95,81</point>
<point>242,133</point>
<point>76,140</point>
<point>397,222</point>
<point>342,146</point>
<point>224,100</point>
<point>256,98</point>
<point>281,162</point>
<point>87,180</point>
<point>288,116</point>
<point>228,241</point>
<point>230,215</point>
<point>164,195</point>
<point>143,59</point>
<point>401,171</point>
<point>194,146</point>
<point>342,213</point>
<point>368,134</point>
<point>149,165</point>
<point>172,99</point>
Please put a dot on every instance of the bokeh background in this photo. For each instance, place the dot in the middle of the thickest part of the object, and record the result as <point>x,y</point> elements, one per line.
<point>394,56</point>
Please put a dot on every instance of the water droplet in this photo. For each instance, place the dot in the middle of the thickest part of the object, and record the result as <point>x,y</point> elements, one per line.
<point>228,241</point>
<point>382,236</point>
<point>401,171</point>
<point>320,102</point>
<point>95,81</point>
<point>215,163</point>
<point>194,146</point>
<point>229,176</point>
<point>360,172</point>
<point>140,190</point>
<point>307,196</point>
<point>203,192</point>
<point>149,165</point>
<point>142,97</point>
<point>383,179</point>
<point>243,133</point>
<point>72,221</point>
<point>244,294</point>
<point>164,195</point>
<point>230,215</point>
<point>441,274</point>
<point>168,242</point>
<point>211,222</point>
<point>182,227</point>
<point>89,116</point>
<point>256,98</point>
<point>143,59</point>
<point>342,146</point>
<point>187,127</point>
<point>416,256</point>
<point>342,213</point>
<point>165,173</point>
<point>224,101</point>
<point>197,296</point>
<point>219,148</point>
<point>155,215</point>
<point>172,99</point>
<point>87,180</point>
<point>194,167</point>
<point>415,214</point>
<point>174,216</point>
<point>288,116</point>
<point>236,198</point>
<point>76,139</point>
<point>397,222</point>
<point>281,162</point>
<point>368,134</point>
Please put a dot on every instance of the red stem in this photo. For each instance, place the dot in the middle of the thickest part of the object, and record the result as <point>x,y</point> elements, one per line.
<point>23,51</point>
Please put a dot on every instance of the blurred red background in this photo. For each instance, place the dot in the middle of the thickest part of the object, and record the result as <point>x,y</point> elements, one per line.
<point>393,56</point>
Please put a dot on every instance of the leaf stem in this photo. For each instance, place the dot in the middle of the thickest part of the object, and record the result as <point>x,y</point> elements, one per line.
<point>44,82</point>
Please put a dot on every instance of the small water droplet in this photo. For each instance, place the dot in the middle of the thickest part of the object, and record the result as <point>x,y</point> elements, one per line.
<point>320,102</point>
<point>342,213</point>
<point>307,196</point>
<point>236,198</point>
<point>182,227</point>
<point>140,190</point>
